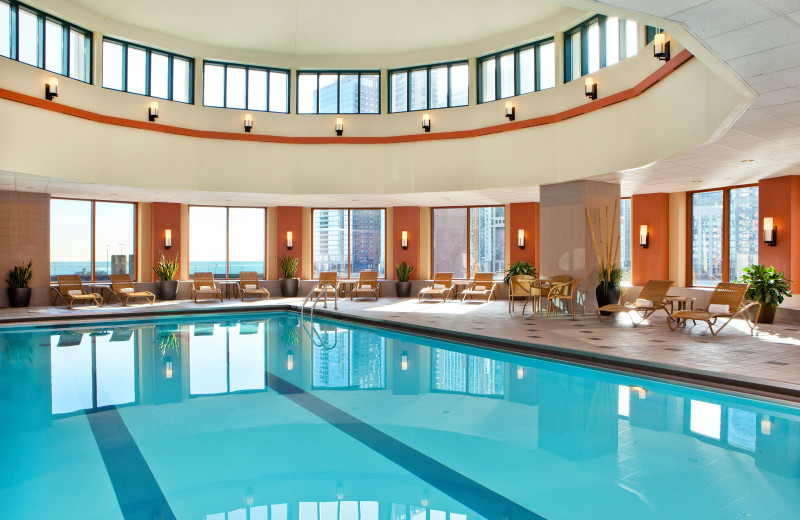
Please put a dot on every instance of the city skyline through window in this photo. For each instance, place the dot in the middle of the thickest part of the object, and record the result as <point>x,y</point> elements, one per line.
<point>349,241</point>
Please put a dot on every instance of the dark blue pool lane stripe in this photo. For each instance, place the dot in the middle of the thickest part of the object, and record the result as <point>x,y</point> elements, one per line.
<point>138,493</point>
<point>473,495</point>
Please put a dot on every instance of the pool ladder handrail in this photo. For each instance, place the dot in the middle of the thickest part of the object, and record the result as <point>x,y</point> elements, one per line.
<point>322,293</point>
<point>322,342</point>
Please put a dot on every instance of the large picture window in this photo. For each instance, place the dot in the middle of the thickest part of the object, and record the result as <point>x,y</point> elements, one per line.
<point>517,71</point>
<point>724,234</point>
<point>36,38</point>
<point>92,239</point>
<point>429,87</point>
<point>149,72</point>
<point>356,92</point>
<point>598,42</point>
<point>469,240</point>
<point>226,241</point>
<point>228,85</point>
<point>349,241</point>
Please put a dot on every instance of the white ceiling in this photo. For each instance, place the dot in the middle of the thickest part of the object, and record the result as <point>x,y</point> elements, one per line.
<point>760,41</point>
<point>324,27</point>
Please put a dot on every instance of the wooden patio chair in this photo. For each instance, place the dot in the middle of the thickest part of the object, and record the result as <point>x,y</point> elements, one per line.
<point>71,289</point>
<point>249,285</point>
<point>122,287</point>
<point>367,286</point>
<point>727,301</point>
<point>650,299</point>
<point>519,287</point>
<point>483,287</point>
<point>442,287</point>
<point>564,291</point>
<point>203,285</point>
<point>327,277</point>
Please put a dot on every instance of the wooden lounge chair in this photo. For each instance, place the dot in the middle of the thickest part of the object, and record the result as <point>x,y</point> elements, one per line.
<point>564,291</point>
<point>519,288</point>
<point>203,285</point>
<point>367,286</point>
<point>442,287</point>
<point>248,284</point>
<point>649,301</point>
<point>71,289</point>
<point>483,287</point>
<point>325,278</point>
<point>727,301</point>
<point>122,288</point>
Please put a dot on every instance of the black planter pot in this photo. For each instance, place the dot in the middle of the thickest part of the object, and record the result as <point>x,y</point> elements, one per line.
<point>289,287</point>
<point>167,289</point>
<point>19,296</point>
<point>403,289</point>
<point>767,314</point>
<point>606,294</point>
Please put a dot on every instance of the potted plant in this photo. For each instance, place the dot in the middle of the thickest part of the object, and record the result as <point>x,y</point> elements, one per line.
<point>518,268</point>
<point>18,280</point>
<point>289,283</point>
<point>768,288</point>
<point>606,250</point>
<point>166,286</point>
<point>403,285</point>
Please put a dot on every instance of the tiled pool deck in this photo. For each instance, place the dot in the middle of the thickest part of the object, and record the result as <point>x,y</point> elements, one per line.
<point>772,354</point>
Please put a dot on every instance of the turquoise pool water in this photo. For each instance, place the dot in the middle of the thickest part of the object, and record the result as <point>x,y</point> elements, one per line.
<point>263,417</point>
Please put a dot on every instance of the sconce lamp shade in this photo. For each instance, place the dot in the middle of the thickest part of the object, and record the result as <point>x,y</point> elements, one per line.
<point>404,239</point>
<point>152,111</point>
<point>248,122</point>
<point>426,122</point>
<point>51,89</point>
<point>167,238</point>
<point>521,239</point>
<point>404,360</point>
<point>289,360</point>
<point>511,111</point>
<point>770,232</point>
<point>661,47</point>
<point>339,126</point>
<point>289,241</point>
<point>644,236</point>
<point>591,88</point>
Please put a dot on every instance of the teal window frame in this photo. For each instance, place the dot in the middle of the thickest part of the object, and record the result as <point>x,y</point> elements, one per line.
<point>148,52</point>
<point>583,29</point>
<point>41,19</point>
<point>339,74</point>
<point>427,68</point>
<point>497,72</point>
<point>247,69</point>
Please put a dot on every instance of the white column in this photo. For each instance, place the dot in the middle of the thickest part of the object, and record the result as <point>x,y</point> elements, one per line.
<point>558,39</point>
<point>97,59</point>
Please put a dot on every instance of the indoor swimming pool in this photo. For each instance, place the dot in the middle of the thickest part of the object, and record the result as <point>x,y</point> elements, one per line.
<point>267,417</point>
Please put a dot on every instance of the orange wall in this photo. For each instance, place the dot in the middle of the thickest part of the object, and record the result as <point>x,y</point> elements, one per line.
<point>524,215</point>
<point>779,198</point>
<point>166,215</point>
<point>290,218</point>
<point>652,263</point>
<point>405,218</point>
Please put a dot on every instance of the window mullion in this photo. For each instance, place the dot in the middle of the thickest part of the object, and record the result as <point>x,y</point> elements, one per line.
<point>726,233</point>
<point>601,22</point>
<point>227,243</point>
<point>584,49</point>
<point>148,57</point>
<point>247,88</point>
<point>92,234</point>
<point>124,67</point>
<point>537,69</point>
<point>65,30</point>
<point>497,83</point>
<point>170,74</point>
<point>40,39</point>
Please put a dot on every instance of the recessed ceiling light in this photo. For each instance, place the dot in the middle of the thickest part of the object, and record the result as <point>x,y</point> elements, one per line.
<point>697,181</point>
<point>747,160</point>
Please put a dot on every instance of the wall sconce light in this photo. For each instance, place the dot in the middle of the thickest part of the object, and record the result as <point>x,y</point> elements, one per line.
<point>167,238</point>
<point>248,496</point>
<point>521,239</point>
<point>339,126</point>
<point>289,360</point>
<point>404,239</point>
<point>51,89</point>
<point>426,122</point>
<point>644,236</point>
<point>511,111</point>
<point>425,497</point>
<point>168,370</point>
<point>640,390</point>
<point>591,88</point>
<point>404,360</point>
<point>248,122</point>
<point>152,111</point>
<point>339,491</point>
<point>661,47</point>
<point>766,425</point>
<point>289,241</point>
<point>520,372</point>
<point>770,232</point>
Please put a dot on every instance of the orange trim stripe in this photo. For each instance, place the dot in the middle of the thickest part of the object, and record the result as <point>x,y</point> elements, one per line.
<point>597,104</point>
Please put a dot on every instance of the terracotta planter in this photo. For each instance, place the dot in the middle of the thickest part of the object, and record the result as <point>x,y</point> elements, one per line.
<point>19,296</point>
